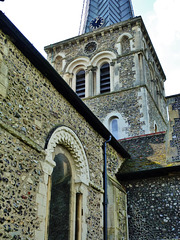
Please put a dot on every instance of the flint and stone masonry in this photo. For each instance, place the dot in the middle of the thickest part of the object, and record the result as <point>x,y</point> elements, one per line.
<point>42,119</point>
<point>137,78</point>
<point>30,108</point>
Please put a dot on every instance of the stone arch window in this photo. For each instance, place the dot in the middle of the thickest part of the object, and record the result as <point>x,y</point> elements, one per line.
<point>114,126</point>
<point>80,83</point>
<point>102,62</point>
<point>125,44</point>
<point>58,64</point>
<point>105,78</point>
<point>65,165</point>
<point>76,74</point>
<point>61,198</point>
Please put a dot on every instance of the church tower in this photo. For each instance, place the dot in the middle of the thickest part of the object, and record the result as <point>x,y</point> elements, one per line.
<point>114,68</point>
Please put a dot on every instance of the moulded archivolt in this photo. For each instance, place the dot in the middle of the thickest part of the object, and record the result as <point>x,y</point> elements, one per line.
<point>80,61</point>
<point>104,56</point>
<point>66,137</point>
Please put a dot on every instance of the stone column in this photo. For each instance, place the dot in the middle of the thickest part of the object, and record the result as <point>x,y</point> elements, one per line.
<point>97,85</point>
<point>112,76</point>
<point>140,79</point>
<point>69,78</point>
<point>3,73</point>
<point>89,89</point>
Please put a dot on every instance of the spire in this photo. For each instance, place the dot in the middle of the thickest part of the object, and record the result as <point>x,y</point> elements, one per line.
<point>104,13</point>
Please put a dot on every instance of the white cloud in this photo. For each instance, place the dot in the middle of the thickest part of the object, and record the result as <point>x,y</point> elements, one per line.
<point>44,22</point>
<point>163,27</point>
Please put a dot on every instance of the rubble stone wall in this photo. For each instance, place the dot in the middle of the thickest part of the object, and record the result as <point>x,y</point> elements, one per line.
<point>29,109</point>
<point>153,208</point>
<point>173,146</point>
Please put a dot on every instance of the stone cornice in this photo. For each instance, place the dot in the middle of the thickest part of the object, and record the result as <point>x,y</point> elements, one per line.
<point>94,34</point>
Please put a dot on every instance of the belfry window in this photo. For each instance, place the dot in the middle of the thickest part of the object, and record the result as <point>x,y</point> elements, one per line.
<point>80,83</point>
<point>105,78</point>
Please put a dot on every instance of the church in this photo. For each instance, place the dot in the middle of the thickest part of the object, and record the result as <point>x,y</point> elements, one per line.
<point>90,144</point>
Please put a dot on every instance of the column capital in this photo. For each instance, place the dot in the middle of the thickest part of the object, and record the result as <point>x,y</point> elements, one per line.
<point>91,68</point>
<point>68,74</point>
<point>112,63</point>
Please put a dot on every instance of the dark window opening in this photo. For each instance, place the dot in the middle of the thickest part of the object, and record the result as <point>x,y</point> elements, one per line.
<point>80,83</point>
<point>105,78</point>
<point>60,199</point>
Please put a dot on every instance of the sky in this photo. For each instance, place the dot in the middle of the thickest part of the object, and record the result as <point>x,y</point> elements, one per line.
<point>44,22</point>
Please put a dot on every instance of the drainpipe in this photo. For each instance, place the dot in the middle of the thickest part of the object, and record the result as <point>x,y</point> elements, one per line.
<point>105,189</point>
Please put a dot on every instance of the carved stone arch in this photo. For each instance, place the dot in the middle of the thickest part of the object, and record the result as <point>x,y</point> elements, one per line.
<point>66,137</point>
<point>97,61</point>
<point>78,68</point>
<point>124,34</point>
<point>122,123</point>
<point>59,55</point>
<point>59,62</point>
<point>82,61</point>
<point>106,56</point>
<point>118,44</point>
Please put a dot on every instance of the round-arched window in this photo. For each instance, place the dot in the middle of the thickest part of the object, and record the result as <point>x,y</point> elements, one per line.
<point>114,127</point>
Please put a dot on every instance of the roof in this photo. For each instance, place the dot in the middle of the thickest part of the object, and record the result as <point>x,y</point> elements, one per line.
<point>147,152</point>
<point>173,96</point>
<point>112,11</point>
<point>57,81</point>
<point>150,173</point>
